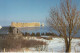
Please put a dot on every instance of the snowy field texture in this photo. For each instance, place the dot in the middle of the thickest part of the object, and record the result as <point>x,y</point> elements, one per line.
<point>57,45</point>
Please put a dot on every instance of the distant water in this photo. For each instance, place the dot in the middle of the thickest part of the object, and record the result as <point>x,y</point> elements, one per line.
<point>36,29</point>
<point>41,30</point>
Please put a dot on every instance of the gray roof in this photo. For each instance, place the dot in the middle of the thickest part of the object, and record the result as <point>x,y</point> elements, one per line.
<point>4,30</point>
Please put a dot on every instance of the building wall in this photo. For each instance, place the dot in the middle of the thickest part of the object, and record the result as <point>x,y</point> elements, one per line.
<point>33,24</point>
<point>16,31</point>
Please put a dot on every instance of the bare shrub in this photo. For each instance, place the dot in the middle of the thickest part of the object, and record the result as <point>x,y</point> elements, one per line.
<point>32,43</point>
<point>11,42</point>
<point>41,47</point>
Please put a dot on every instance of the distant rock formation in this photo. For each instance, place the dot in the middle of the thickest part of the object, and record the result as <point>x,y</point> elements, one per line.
<point>33,24</point>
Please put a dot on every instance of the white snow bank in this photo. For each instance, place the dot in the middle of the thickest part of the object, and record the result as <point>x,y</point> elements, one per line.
<point>58,45</point>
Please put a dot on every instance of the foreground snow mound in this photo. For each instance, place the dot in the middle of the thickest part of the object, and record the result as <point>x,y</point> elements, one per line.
<point>58,45</point>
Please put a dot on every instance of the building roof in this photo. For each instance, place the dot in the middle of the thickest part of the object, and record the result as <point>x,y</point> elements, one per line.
<point>4,30</point>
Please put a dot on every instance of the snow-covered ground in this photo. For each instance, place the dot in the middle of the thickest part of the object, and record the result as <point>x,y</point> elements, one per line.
<point>58,45</point>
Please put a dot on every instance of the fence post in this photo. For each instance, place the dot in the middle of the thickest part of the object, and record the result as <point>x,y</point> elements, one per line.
<point>4,50</point>
<point>52,50</point>
<point>39,50</point>
<point>75,48</point>
<point>23,50</point>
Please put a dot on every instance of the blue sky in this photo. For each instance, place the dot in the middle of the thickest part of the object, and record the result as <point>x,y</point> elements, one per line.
<point>26,10</point>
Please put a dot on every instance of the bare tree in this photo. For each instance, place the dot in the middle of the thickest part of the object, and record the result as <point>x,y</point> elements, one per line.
<point>65,20</point>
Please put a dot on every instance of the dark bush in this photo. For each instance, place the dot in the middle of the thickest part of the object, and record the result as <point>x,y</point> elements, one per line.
<point>60,35</point>
<point>27,34</point>
<point>33,34</point>
<point>42,34</point>
<point>51,34</point>
<point>48,33</point>
<point>37,34</point>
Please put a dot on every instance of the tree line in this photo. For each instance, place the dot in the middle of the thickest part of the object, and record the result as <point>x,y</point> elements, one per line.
<point>40,34</point>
